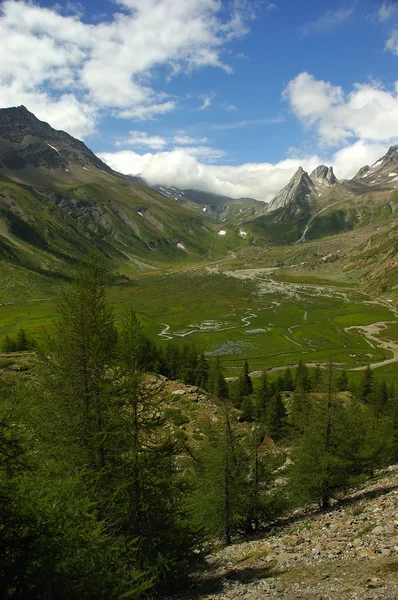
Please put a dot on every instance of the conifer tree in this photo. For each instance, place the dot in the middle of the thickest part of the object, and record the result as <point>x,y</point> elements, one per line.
<point>275,417</point>
<point>262,397</point>
<point>245,385</point>
<point>217,386</point>
<point>342,382</point>
<point>321,470</point>
<point>80,358</point>
<point>366,385</point>
<point>288,383</point>
<point>302,381</point>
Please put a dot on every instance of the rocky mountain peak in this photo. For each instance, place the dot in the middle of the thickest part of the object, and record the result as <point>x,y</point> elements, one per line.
<point>393,151</point>
<point>323,174</point>
<point>27,142</point>
<point>296,192</point>
<point>362,172</point>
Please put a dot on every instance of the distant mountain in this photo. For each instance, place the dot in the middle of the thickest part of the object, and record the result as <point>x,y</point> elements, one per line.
<point>295,194</point>
<point>218,207</point>
<point>298,192</point>
<point>316,205</point>
<point>383,171</point>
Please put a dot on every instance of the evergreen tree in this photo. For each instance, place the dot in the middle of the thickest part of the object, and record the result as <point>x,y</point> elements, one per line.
<point>245,385</point>
<point>275,417</point>
<point>217,386</point>
<point>288,383</point>
<point>202,372</point>
<point>317,378</point>
<point>262,397</point>
<point>78,364</point>
<point>302,381</point>
<point>342,382</point>
<point>321,470</point>
<point>9,345</point>
<point>22,341</point>
<point>247,408</point>
<point>366,385</point>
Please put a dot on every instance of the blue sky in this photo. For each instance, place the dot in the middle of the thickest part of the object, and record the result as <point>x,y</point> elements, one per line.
<point>229,96</point>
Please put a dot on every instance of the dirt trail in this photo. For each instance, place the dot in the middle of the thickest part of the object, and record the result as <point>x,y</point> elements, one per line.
<point>370,332</point>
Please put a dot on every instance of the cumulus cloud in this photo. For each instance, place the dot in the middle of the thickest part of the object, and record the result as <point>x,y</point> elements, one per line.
<point>368,112</point>
<point>186,169</point>
<point>328,22</point>
<point>350,159</point>
<point>110,64</point>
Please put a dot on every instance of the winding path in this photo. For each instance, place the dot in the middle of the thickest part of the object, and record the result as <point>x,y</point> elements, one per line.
<point>370,332</point>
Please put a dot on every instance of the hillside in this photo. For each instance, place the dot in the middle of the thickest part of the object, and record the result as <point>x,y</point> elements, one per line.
<point>58,202</point>
<point>347,552</point>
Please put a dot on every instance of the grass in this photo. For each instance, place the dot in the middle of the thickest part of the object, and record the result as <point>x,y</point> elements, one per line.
<point>227,316</point>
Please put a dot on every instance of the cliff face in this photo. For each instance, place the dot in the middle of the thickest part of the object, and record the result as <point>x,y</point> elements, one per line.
<point>298,192</point>
<point>25,141</point>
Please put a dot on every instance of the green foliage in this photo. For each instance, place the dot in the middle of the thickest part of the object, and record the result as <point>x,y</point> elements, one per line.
<point>275,416</point>
<point>217,386</point>
<point>21,344</point>
<point>232,475</point>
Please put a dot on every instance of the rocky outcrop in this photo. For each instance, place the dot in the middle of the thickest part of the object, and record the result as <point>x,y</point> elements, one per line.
<point>295,193</point>
<point>323,175</point>
<point>25,141</point>
<point>362,172</point>
<point>383,171</point>
<point>348,552</point>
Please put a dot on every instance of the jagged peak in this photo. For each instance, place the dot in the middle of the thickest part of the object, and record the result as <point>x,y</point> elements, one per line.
<point>362,172</point>
<point>392,150</point>
<point>323,173</point>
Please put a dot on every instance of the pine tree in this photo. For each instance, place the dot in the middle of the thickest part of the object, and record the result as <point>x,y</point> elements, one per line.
<point>317,378</point>
<point>22,343</point>
<point>78,364</point>
<point>202,372</point>
<point>302,381</point>
<point>262,397</point>
<point>217,386</point>
<point>342,382</point>
<point>245,385</point>
<point>366,385</point>
<point>9,345</point>
<point>288,383</point>
<point>321,470</point>
<point>275,417</point>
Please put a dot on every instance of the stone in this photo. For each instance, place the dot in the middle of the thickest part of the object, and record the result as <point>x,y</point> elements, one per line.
<point>377,530</point>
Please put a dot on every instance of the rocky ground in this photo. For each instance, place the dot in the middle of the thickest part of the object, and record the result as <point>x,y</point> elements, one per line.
<point>350,552</point>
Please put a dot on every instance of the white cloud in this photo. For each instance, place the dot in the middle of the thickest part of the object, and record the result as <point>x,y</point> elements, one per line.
<point>246,123</point>
<point>67,113</point>
<point>368,112</point>
<point>350,159</point>
<point>207,100</point>
<point>328,22</point>
<point>140,138</point>
<point>110,65</point>
<point>262,181</point>
<point>386,11</point>
<point>187,140</point>
<point>392,42</point>
<point>185,170</point>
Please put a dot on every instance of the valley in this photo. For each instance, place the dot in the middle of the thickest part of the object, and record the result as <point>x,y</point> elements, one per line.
<point>204,361</point>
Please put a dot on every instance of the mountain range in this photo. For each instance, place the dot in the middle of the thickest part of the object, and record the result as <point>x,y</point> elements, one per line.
<point>59,201</point>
